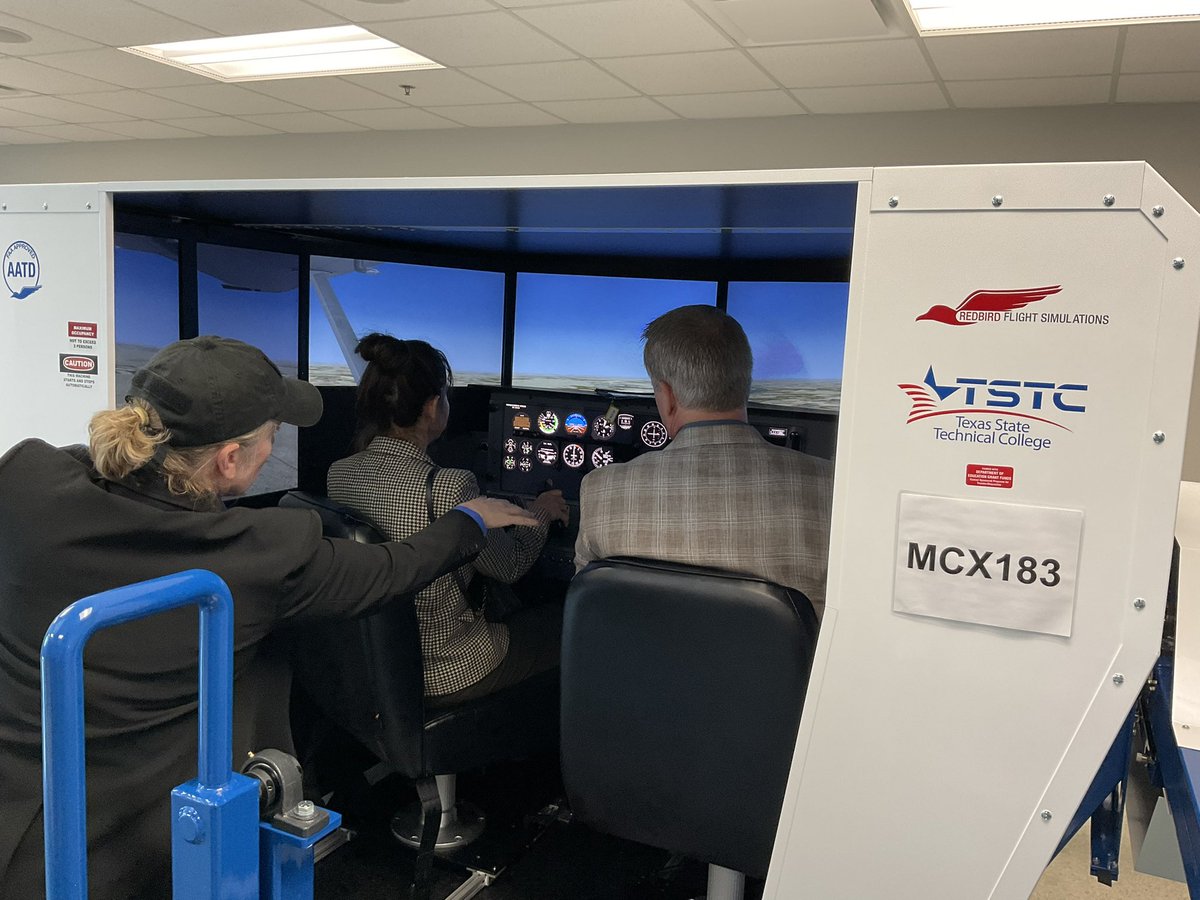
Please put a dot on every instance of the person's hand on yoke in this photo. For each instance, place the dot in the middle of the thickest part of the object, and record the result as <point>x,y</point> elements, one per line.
<point>553,504</point>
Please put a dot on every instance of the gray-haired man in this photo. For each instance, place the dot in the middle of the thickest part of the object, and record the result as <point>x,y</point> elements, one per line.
<point>719,495</point>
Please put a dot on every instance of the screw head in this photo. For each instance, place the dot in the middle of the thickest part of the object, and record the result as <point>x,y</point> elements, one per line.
<point>1109,200</point>
<point>998,200</point>
<point>893,202</point>
<point>1157,212</point>
<point>1159,437</point>
<point>87,206</point>
<point>1177,262</point>
<point>1185,726</point>
<point>1047,815</point>
<point>45,206</point>
<point>1118,679</point>
<point>1139,604</point>
<point>191,826</point>
<point>305,809</point>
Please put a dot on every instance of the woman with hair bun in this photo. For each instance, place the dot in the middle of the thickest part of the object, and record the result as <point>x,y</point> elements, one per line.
<point>403,405</point>
<point>143,501</point>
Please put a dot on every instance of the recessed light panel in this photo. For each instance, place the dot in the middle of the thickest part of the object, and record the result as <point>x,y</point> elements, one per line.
<point>933,16</point>
<point>342,50</point>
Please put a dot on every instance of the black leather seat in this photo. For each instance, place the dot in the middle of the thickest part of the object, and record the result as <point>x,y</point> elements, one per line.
<point>366,676</point>
<point>681,696</point>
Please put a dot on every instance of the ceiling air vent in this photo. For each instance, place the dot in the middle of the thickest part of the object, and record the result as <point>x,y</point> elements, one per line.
<point>757,22</point>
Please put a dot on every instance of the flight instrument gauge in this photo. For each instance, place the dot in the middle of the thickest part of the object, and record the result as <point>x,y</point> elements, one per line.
<point>601,457</point>
<point>510,463</point>
<point>525,464</point>
<point>575,423</point>
<point>654,434</point>
<point>602,429</point>
<point>510,446</point>
<point>548,421</point>
<point>547,453</point>
<point>573,455</point>
<point>527,448</point>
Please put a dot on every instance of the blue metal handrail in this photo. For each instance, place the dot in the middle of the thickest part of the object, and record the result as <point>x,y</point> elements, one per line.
<point>64,780</point>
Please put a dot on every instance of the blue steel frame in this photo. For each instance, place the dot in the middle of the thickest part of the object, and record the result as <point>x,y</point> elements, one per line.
<point>1176,768</point>
<point>215,820</point>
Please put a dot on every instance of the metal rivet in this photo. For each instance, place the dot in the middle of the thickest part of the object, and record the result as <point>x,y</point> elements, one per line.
<point>893,202</point>
<point>3,206</point>
<point>1177,262</point>
<point>1139,603</point>
<point>997,200</point>
<point>87,206</point>
<point>1047,815</point>
<point>1109,199</point>
<point>1159,437</point>
<point>1185,726</point>
<point>45,206</point>
<point>1158,211</point>
<point>1118,679</point>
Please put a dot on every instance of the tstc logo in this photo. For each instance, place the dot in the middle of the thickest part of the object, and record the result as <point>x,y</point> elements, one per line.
<point>997,396</point>
<point>990,306</point>
<point>22,272</point>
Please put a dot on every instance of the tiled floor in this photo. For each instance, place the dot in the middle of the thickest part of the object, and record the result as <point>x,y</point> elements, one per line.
<point>1067,878</point>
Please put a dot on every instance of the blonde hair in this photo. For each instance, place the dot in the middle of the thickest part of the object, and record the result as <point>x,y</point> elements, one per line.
<point>124,440</point>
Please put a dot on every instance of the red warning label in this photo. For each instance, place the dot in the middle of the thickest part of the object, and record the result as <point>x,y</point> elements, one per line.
<point>990,476</point>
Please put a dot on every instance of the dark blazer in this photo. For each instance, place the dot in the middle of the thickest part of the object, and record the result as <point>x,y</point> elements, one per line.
<point>66,534</point>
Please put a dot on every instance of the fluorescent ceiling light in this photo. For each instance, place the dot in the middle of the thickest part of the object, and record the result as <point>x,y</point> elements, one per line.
<point>981,15</point>
<point>342,50</point>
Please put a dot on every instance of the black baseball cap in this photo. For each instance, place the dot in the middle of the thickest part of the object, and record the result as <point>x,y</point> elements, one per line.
<point>210,389</point>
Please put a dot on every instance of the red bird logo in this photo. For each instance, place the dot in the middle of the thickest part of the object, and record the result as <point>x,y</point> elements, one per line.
<point>988,301</point>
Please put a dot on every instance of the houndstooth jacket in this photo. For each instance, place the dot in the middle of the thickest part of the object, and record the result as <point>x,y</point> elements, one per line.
<point>387,483</point>
<point>719,495</point>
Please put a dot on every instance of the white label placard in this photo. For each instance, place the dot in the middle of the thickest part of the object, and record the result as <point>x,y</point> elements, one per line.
<point>999,564</point>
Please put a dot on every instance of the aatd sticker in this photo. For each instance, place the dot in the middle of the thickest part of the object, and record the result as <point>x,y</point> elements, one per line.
<point>22,271</point>
<point>77,363</point>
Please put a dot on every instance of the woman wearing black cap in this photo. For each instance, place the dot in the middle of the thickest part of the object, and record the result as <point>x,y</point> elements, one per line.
<point>142,502</point>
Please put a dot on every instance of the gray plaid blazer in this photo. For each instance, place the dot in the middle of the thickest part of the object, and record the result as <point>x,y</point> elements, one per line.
<point>387,483</point>
<point>719,495</point>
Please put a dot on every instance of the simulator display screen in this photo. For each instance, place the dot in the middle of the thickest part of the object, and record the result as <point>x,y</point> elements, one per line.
<point>797,331</point>
<point>582,332</point>
<point>459,311</point>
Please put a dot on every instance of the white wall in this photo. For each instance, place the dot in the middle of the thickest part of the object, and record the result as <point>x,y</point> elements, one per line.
<point>1165,135</point>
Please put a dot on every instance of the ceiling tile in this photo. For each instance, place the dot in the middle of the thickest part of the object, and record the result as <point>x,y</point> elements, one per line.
<point>737,105</point>
<point>138,104</point>
<point>485,39</point>
<point>220,126</point>
<point>16,118</point>
<point>117,23</point>
<point>520,4</point>
<point>16,136</point>
<point>44,40</point>
<point>1077,91</point>
<point>872,98</point>
<point>1162,48</point>
<point>498,115</point>
<point>624,109</point>
<point>63,110</point>
<point>850,63</point>
<point>76,133</point>
<point>149,131</point>
<point>431,87</point>
<point>1025,54</point>
<point>329,94</point>
<point>628,27</point>
<point>1180,87</point>
<point>574,79</point>
<point>230,99</point>
<point>233,17</point>
<point>304,123</point>
<point>395,119</point>
<point>29,75</point>
<point>125,69</point>
<point>360,12</point>
<point>690,73</point>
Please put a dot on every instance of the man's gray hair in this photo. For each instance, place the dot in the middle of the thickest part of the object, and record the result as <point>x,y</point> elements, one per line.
<point>703,354</point>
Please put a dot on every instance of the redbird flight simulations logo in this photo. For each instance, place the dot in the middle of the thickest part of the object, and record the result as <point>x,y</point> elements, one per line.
<point>990,306</point>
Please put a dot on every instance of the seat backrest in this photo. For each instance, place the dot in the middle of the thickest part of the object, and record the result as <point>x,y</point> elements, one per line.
<point>364,674</point>
<point>681,696</point>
